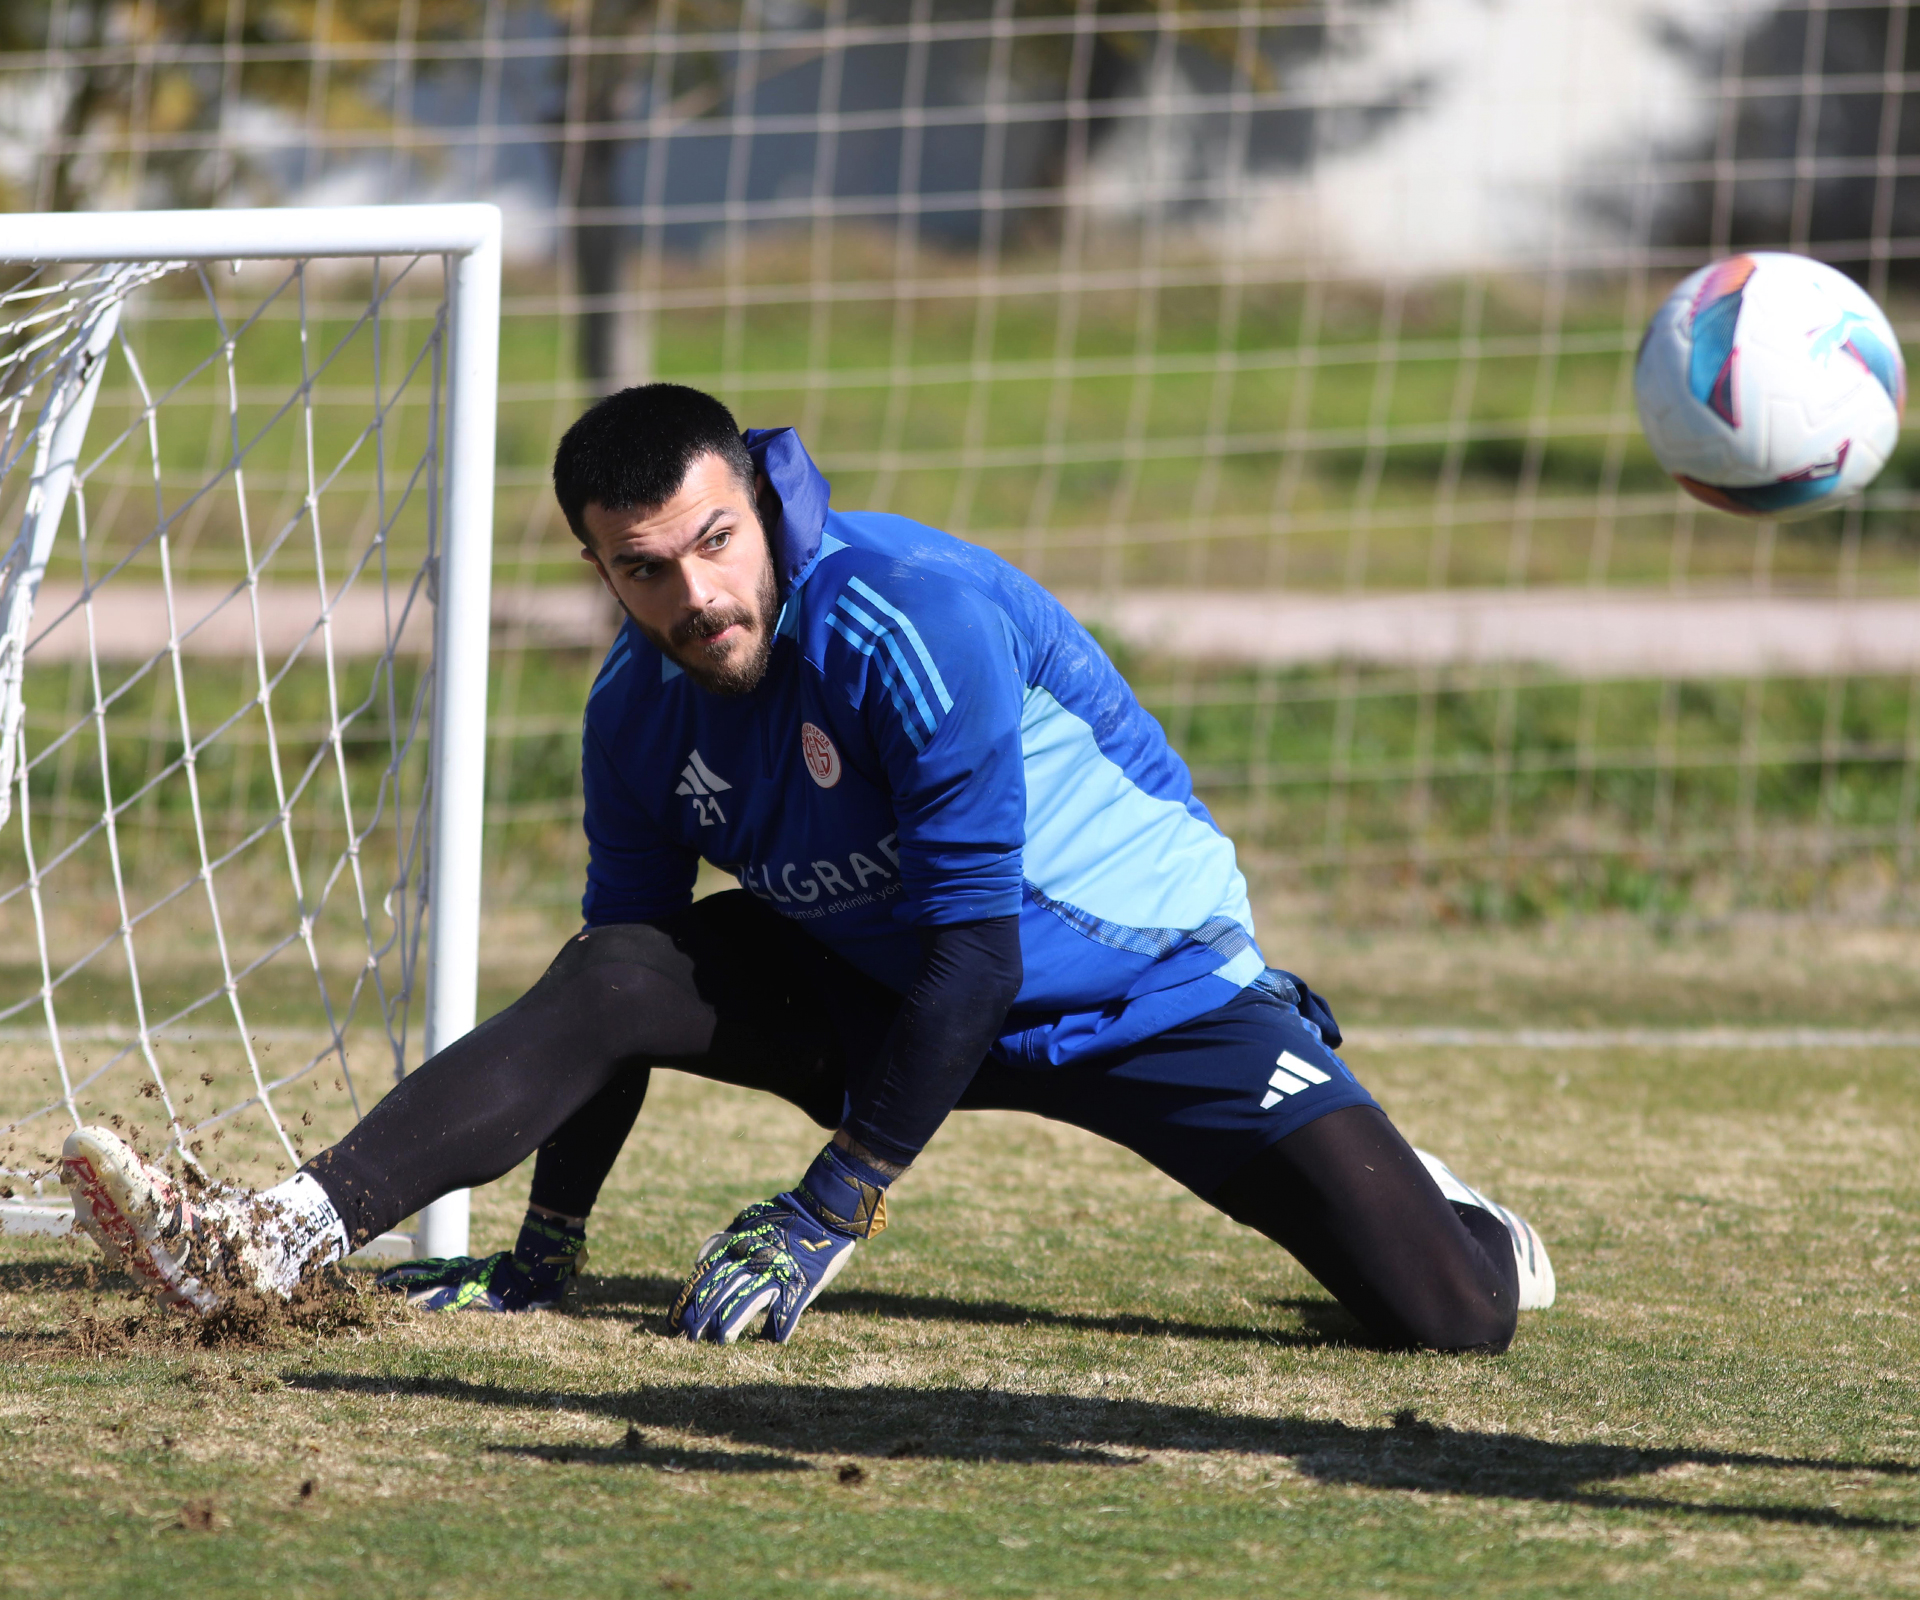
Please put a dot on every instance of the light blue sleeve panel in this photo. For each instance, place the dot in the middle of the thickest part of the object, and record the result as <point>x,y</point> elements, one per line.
<point>933,667</point>
<point>1134,869</point>
<point>634,870</point>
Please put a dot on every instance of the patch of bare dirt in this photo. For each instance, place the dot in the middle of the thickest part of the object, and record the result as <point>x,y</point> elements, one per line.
<point>199,1516</point>
<point>330,1303</point>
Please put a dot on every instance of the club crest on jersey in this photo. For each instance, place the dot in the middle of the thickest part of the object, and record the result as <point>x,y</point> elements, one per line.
<point>700,784</point>
<point>823,761</point>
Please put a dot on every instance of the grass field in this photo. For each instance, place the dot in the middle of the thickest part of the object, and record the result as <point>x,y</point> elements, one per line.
<point>1060,1375</point>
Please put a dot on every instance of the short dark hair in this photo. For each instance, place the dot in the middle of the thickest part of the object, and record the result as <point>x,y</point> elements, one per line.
<point>631,451</point>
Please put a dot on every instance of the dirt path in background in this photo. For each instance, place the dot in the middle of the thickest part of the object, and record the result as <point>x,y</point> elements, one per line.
<point>1580,633</point>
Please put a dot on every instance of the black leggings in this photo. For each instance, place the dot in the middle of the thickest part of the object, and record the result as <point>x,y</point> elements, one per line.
<point>730,991</point>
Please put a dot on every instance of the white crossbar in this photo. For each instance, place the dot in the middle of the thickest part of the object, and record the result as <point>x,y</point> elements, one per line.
<point>266,234</point>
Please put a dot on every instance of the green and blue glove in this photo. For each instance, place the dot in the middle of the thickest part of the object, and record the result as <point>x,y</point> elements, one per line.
<point>776,1257</point>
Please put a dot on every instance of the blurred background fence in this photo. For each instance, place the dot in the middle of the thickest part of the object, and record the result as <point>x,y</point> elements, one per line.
<point>1291,342</point>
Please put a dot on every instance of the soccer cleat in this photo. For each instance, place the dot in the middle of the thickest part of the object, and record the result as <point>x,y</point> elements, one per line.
<point>1529,1249</point>
<point>185,1252</point>
<point>536,1275</point>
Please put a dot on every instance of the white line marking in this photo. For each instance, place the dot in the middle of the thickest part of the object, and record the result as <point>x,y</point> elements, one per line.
<point>119,1033</point>
<point>1642,1038</point>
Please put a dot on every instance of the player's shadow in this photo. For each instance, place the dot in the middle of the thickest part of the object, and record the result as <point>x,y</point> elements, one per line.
<point>761,1427</point>
<point>635,1451</point>
<point>1326,1323</point>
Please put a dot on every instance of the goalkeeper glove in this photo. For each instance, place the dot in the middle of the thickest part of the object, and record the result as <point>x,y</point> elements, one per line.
<point>778,1254</point>
<point>534,1276</point>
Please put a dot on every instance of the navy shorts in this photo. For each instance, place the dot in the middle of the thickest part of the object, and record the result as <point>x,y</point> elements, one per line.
<point>1198,1101</point>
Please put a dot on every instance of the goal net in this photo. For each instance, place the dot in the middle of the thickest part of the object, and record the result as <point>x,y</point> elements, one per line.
<point>1292,343</point>
<point>241,702</point>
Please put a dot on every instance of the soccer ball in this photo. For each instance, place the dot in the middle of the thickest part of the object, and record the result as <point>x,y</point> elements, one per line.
<point>1770,386</point>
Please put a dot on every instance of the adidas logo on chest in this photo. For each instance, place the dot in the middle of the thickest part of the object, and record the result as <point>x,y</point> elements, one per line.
<point>703,786</point>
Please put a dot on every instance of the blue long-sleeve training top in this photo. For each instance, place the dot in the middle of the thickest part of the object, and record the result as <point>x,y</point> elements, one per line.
<point>936,741</point>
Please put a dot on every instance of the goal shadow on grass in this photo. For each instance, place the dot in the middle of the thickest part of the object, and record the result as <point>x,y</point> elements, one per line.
<point>758,1427</point>
<point>1325,1322</point>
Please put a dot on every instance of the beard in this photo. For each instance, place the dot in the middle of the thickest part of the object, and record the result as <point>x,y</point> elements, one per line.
<point>733,668</point>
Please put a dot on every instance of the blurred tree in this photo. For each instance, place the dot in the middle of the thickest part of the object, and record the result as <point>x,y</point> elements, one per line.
<point>134,82</point>
<point>146,94</point>
<point>1814,153</point>
<point>1108,55</point>
<point>609,78</point>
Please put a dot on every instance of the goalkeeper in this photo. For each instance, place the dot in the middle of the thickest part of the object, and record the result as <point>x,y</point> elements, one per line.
<point>972,874</point>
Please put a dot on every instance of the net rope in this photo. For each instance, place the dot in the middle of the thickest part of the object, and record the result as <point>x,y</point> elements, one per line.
<point>1169,302</point>
<point>167,879</point>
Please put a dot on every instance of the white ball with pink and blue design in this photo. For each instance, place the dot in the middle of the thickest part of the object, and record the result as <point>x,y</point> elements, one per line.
<point>1770,385</point>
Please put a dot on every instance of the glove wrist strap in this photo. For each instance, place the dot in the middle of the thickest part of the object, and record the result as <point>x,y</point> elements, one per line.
<point>551,1251</point>
<point>845,1193</point>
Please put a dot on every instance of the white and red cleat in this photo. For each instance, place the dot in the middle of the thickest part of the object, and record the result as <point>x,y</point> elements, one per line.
<point>186,1253</point>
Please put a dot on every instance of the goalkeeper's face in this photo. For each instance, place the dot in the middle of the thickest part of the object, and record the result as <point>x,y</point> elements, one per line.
<point>696,575</point>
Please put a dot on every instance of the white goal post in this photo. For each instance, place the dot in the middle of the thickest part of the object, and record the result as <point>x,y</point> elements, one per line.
<point>385,436</point>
